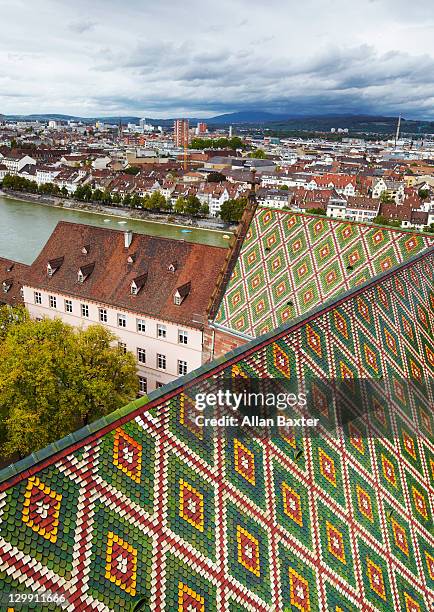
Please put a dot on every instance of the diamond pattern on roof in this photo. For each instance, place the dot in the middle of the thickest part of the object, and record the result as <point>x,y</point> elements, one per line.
<point>314,258</point>
<point>155,510</point>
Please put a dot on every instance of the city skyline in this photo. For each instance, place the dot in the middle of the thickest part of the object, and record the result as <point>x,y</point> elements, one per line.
<point>198,60</point>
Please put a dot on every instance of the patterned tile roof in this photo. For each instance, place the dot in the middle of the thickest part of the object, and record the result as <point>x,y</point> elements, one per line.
<point>308,259</point>
<point>143,506</point>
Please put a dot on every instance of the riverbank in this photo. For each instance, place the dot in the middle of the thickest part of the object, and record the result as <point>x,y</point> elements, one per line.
<point>211,225</point>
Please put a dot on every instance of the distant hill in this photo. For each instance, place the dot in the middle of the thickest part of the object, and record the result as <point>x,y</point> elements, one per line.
<point>246,117</point>
<point>281,123</point>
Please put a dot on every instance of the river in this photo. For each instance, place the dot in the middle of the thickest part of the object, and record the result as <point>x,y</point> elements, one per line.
<point>25,228</point>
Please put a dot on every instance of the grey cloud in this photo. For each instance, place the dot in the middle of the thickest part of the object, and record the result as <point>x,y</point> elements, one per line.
<point>278,56</point>
<point>80,27</point>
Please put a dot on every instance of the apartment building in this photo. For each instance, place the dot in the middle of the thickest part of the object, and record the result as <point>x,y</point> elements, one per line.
<point>151,292</point>
<point>181,132</point>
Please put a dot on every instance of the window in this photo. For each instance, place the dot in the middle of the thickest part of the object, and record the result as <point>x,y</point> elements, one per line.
<point>161,361</point>
<point>102,315</point>
<point>52,300</point>
<point>182,336</point>
<point>122,347</point>
<point>141,326</point>
<point>141,355</point>
<point>22,292</point>
<point>80,277</point>
<point>143,384</point>
<point>182,367</point>
<point>161,331</point>
<point>38,297</point>
<point>177,300</point>
<point>133,289</point>
<point>158,385</point>
<point>38,319</point>
<point>84,310</point>
<point>122,320</point>
<point>68,305</point>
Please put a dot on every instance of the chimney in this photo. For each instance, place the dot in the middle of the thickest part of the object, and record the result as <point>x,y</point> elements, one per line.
<point>128,235</point>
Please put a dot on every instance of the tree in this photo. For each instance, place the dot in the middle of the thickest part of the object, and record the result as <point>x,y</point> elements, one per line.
<point>381,220</point>
<point>132,170</point>
<point>204,210</point>
<point>180,205</point>
<point>215,177</point>
<point>192,206</point>
<point>106,197</point>
<point>284,188</point>
<point>10,317</point>
<point>316,211</point>
<point>136,201</point>
<point>126,200</point>
<point>423,193</point>
<point>97,195</point>
<point>54,379</point>
<point>232,210</point>
<point>83,193</point>
<point>386,198</point>
<point>233,143</point>
<point>258,154</point>
<point>157,201</point>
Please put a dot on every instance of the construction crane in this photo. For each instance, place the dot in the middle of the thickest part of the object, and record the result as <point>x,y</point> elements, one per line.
<point>398,127</point>
<point>185,152</point>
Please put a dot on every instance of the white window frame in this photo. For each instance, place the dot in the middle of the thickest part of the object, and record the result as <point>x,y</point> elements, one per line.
<point>141,326</point>
<point>161,361</point>
<point>122,346</point>
<point>182,336</point>
<point>141,355</point>
<point>161,331</point>
<point>68,306</point>
<point>102,315</point>
<point>52,301</point>
<point>182,367</point>
<point>37,296</point>
<point>122,320</point>
<point>84,310</point>
<point>143,385</point>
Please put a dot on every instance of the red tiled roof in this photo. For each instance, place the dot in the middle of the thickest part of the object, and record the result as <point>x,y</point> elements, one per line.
<point>12,272</point>
<point>110,280</point>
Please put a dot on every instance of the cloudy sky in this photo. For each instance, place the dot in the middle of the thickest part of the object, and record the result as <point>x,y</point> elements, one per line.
<point>163,58</point>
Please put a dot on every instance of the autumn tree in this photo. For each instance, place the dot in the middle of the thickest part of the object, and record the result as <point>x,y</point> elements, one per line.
<point>55,379</point>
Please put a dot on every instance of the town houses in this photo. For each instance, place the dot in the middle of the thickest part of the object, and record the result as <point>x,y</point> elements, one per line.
<point>354,179</point>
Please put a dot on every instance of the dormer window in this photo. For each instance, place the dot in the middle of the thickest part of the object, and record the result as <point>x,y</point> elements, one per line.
<point>137,283</point>
<point>171,267</point>
<point>7,284</point>
<point>53,265</point>
<point>131,258</point>
<point>181,293</point>
<point>85,249</point>
<point>84,272</point>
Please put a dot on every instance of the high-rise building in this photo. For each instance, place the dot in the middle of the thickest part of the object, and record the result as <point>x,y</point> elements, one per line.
<point>180,133</point>
<point>201,128</point>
